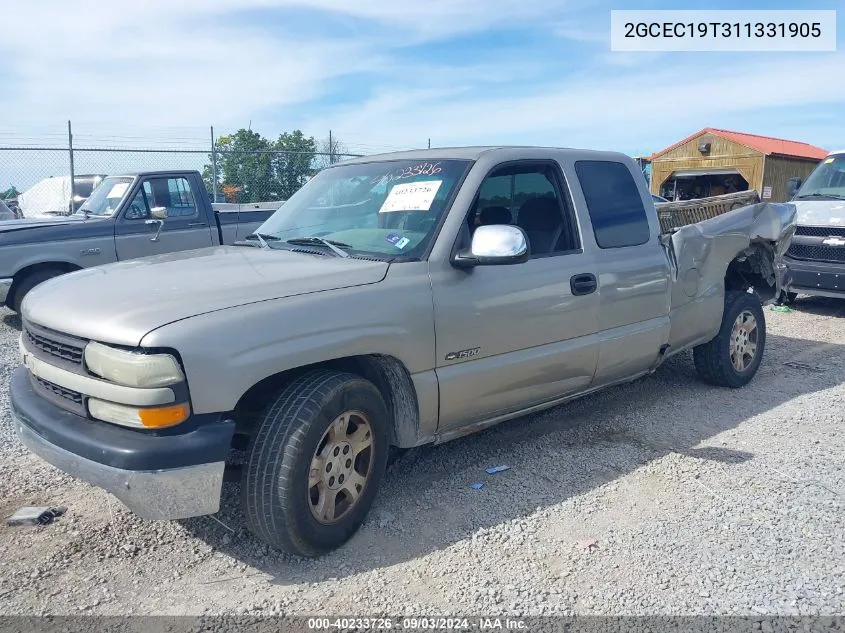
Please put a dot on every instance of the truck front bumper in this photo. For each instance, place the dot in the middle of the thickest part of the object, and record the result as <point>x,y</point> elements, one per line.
<point>168,476</point>
<point>823,279</point>
<point>5,286</point>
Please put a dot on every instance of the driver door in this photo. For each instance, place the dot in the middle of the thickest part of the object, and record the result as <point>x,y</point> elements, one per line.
<point>139,234</point>
<point>511,337</point>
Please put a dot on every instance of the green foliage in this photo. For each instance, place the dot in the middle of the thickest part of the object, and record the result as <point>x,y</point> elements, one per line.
<point>251,168</point>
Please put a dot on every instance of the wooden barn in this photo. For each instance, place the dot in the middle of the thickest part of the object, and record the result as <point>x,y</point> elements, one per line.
<point>714,162</point>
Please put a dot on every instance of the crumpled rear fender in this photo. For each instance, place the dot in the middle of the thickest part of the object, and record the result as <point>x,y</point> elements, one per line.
<point>759,234</point>
<point>738,250</point>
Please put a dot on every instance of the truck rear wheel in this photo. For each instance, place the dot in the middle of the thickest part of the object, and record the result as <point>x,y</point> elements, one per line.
<point>315,462</point>
<point>733,357</point>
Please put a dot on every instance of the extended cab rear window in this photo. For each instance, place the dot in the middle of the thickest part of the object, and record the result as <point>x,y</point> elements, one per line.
<point>614,203</point>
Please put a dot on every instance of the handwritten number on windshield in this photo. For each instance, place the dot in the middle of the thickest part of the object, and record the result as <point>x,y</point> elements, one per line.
<point>423,169</point>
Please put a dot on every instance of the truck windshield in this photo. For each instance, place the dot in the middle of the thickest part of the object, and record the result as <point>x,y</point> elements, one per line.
<point>827,181</point>
<point>384,209</point>
<point>105,199</point>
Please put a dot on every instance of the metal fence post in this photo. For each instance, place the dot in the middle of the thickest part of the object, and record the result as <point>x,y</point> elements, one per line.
<point>331,149</point>
<point>70,155</point>
<point>213,166</point>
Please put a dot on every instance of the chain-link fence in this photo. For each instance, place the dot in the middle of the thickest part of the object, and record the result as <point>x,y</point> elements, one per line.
<point>230,176</point>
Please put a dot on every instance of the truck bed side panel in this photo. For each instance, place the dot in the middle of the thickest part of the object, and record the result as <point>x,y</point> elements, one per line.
<point>236,225</point>
<point>701,253</point>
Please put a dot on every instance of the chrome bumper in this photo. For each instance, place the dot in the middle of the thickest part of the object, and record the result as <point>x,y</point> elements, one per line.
<point>176,493</point>
<point>5,285</point>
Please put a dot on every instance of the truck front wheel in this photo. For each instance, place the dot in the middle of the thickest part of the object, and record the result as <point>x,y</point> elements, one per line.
<point>733,357</point>
<point>315,462</point>
<point>24,285</point>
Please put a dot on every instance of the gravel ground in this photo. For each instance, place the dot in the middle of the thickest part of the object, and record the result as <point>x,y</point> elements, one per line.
<point>664,496</point>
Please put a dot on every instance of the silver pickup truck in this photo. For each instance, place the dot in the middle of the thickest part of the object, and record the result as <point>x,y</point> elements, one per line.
<point>126,217</point>
<point>393,301</point>
<point>816,257</point>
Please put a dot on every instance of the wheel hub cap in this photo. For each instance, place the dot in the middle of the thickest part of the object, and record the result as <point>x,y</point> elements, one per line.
<point>340,467</point>
<point>743,347</point>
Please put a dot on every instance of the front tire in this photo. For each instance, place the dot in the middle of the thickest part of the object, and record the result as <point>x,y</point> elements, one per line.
<point>315,463</point>
<point>29,282</point>
<point>733,357</point>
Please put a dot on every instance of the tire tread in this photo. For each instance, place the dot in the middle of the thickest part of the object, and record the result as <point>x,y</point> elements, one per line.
<point>280,437</point>
<point>711,361</point>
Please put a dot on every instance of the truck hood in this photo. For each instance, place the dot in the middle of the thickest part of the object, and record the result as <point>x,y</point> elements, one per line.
<point>820,212</point>
<point>32,223</point>
<point>120,303</point>
<point>31,230</point>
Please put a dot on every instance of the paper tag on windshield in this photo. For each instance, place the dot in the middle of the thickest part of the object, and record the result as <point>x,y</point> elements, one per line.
<point>118,190</point>
<point>411,196</point>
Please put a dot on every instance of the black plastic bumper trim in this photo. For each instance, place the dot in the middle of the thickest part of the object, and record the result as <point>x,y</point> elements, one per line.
<point>206,438</point>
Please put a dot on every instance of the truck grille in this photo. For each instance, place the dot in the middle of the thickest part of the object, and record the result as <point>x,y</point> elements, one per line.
<point>54,344</point>
<point>67,394</point>
<point>821,231</point>
<point>66,399</point>
<point>817,253</point>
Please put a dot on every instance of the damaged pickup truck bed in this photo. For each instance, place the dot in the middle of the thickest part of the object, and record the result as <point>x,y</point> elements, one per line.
<point>395,300</point>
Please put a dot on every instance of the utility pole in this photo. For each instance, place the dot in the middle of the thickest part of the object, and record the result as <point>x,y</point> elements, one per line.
<point>213,166</point>
<point>429,143</point>
<point>70,154</point>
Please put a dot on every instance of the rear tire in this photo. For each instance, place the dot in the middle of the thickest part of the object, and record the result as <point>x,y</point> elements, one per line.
<point>315,463</point>
<point>733,357</point>
<point>29,282</point>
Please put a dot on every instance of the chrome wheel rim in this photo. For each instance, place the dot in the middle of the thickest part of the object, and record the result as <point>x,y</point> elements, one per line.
<point>340,467</point>
<point>744,337</point>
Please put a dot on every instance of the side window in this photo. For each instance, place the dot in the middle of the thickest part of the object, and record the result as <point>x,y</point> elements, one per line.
<point>614,204</point>
<point>174,194</point>
<point>139,209</point>
<point>528,196</point>
<point>495,191</point>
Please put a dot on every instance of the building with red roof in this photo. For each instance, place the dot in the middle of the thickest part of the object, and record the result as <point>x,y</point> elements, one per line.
<point>715,161</point>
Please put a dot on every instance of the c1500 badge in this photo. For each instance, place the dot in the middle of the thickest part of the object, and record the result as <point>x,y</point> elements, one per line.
<point>463,354</point>
<point>89,251</point>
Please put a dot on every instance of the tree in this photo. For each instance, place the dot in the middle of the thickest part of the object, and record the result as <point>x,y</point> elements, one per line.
<point>329,151</point>
<point>244,165</point>
<point>293,162</point>
<point>251,168</point>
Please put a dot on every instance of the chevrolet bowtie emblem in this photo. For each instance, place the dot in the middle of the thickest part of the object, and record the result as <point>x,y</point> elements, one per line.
<point>834,241</point>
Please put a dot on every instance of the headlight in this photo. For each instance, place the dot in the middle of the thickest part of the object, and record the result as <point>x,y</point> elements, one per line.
<point>141,418</point>
<point>132,369</point>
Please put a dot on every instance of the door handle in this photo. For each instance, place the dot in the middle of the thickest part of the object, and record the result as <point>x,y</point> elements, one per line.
<point>160,223</point>
<point>197,224</point>
<point>583,284</point>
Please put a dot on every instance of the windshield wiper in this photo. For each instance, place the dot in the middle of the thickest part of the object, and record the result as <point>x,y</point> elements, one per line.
<point>332,244</point>
<point>262,238</point>
<point>834,196</point>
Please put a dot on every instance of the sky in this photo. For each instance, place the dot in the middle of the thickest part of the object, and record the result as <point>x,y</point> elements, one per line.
<point>390,74</point>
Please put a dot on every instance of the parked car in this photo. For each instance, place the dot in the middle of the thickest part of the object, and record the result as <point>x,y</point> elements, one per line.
<point>816,256</point>
<point>126,217</point>
<point>452,290</point>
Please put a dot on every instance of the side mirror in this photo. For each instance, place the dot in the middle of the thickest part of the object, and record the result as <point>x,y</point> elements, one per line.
<point>792,187</point>
<point>159,213</point>
<point>494,245</point>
